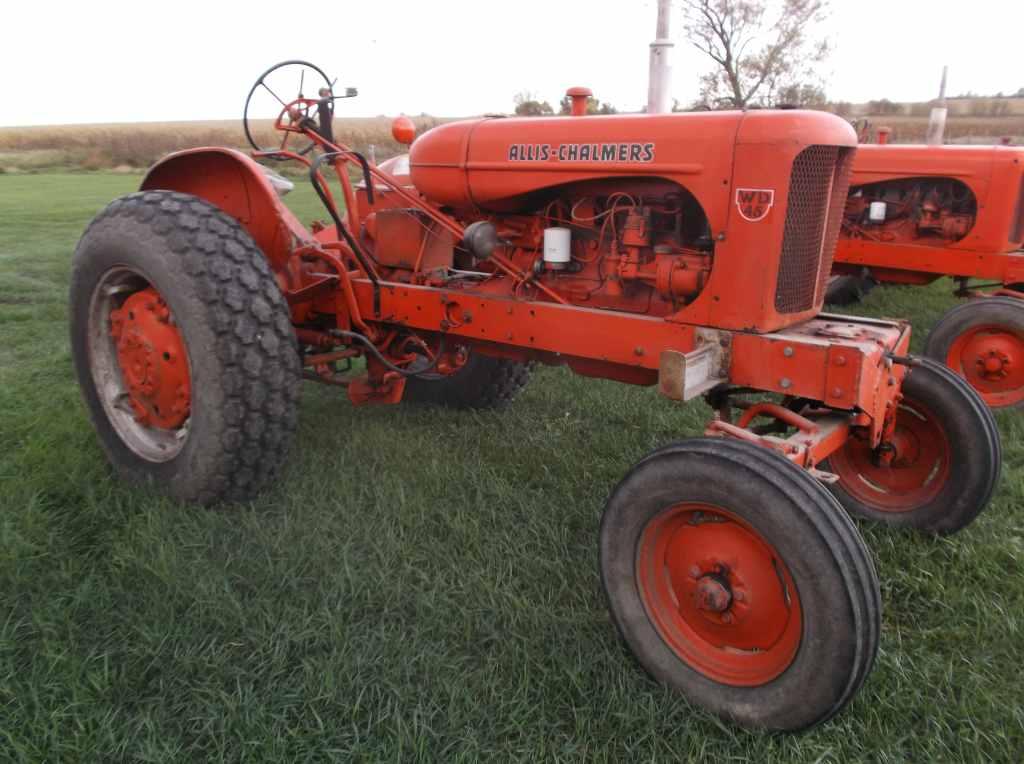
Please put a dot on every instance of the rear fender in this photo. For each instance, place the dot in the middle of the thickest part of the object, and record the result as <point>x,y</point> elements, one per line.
<point>233,182</point>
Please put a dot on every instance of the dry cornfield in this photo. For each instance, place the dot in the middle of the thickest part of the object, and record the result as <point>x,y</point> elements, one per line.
<point>127,145</point>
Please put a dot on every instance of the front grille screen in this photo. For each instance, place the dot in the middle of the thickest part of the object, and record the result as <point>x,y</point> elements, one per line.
<point>818,186</point>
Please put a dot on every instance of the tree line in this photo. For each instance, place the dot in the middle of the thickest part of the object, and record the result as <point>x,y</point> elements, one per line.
<point>764,53</point>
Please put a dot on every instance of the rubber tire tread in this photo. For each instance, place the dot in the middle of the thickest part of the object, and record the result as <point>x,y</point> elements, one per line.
<point>850,289</point>
<point>220,288</point>
<point>833,526</point>
<point>856,552</point>
<point>962,317</point>
<point>973,407</point>
<point>482,383</point>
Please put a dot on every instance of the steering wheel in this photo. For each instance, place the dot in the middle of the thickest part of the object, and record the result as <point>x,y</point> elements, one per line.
<point>267,101</point>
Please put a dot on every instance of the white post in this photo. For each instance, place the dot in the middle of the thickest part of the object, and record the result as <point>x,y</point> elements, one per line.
<point>659,80</point>
<point>937,120</point>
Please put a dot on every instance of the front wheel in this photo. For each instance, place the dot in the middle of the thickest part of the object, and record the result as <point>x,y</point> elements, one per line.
<point>849,288</point>
<point>983,342</point>
<point>945,458</point>
<point>736,579</point>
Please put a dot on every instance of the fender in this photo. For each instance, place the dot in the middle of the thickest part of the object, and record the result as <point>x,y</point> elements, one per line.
<point>236,184</point>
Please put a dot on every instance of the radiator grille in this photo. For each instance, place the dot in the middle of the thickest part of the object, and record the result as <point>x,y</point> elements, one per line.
<point>1017,234</point>
<point>814,208</point>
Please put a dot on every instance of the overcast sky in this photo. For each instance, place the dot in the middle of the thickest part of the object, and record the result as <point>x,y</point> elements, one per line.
<point>143,61</point>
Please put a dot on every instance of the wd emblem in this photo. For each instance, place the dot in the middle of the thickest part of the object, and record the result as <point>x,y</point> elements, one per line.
<point>754,203</point>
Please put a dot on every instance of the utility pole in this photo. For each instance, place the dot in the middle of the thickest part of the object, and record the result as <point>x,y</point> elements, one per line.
<point>937,120</point>
<point>660,75</point>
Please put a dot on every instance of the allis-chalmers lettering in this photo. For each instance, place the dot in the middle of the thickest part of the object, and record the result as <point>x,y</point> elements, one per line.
<point>581,152</point>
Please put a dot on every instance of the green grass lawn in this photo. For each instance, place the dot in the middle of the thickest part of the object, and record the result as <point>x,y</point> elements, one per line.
<point>422,584</point>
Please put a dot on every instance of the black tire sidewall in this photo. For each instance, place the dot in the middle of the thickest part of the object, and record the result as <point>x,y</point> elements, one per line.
<point>100,252</point>
<point>803,693</point>
<point>483,382</point>
<point>1000,311</point>
<point>974,457</point>
<point>849,288</point>
<point>217,456</point>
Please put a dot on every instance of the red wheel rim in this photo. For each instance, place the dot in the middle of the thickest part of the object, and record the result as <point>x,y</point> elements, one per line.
<point>719,594</point>
<point>915,471</point>
<point>991,359</point>
<point>153,361</point>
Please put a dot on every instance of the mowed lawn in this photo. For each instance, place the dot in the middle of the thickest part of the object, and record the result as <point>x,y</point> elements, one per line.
<point>422,584</point>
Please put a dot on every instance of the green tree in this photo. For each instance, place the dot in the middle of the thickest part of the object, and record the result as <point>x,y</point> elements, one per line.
<point>593,106</point>
<point>804,96</point>
<point>528,105</point>
<point>884,107</point>
<point>842,108</point>
<point>759,48</point>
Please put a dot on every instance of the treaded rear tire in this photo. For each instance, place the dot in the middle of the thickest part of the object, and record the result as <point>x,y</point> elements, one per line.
<point>831,568</point>
<point>243,358</point>
<point>482,383</point>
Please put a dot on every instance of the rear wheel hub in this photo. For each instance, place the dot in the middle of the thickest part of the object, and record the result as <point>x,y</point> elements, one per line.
<point>151,354</point>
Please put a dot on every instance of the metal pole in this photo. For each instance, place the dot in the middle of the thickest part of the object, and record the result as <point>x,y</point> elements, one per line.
<point>937,120</point>
<point>660,75</point>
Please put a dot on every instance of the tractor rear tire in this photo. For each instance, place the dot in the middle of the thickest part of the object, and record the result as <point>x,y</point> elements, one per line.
<point>210,298</point>
<point>983,330</point>
<point>947,461</point>
<point>736,579</point>
<point>482,383</point>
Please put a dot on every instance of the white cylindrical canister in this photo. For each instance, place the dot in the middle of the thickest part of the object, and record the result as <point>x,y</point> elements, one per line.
<point>876,212</point>
<point>557,247</point>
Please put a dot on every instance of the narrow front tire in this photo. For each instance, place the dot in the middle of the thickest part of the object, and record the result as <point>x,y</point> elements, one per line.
<point>736,579</point>
<point>982,341</point>
<point>945,463</point>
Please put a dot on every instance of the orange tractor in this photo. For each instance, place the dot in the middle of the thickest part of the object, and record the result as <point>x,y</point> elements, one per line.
<point>688,252</point>
<point>917,213</point>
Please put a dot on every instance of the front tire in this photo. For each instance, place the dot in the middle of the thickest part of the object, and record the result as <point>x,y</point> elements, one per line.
<point>982,341</point>
<point>183,348</point>
<point>736,579</point>
<point>946,463</point>
<point>849,288</point>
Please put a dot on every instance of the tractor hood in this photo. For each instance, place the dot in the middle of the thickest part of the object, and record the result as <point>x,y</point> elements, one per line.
<point>500,163</point>
<point>881,162</point>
